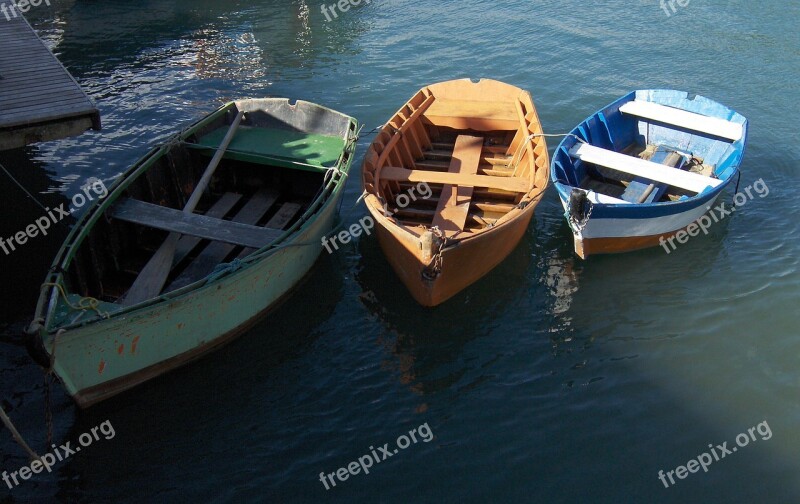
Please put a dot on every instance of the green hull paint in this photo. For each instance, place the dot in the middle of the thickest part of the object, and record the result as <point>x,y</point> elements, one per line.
<point>112,349</point>
<point>98,358</point>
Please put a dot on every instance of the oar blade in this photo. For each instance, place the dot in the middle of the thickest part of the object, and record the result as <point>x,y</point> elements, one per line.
<point>154,275</point>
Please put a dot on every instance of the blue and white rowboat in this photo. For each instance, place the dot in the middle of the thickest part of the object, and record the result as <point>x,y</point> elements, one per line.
<point>647,166</point>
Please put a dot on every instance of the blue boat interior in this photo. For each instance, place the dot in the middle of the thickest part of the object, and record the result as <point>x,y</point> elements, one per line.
<point>687,149</point>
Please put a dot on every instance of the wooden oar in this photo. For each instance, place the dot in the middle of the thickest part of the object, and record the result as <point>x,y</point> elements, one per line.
<point>152,278</point>
<point>15,434</point>
<point>671,160</point>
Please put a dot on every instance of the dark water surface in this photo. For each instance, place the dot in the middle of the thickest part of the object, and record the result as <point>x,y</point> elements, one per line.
<point>551,380</point>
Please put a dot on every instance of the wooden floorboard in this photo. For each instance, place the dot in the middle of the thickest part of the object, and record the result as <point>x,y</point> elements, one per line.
<point>55,98</point>
<point>27,116</point>
<point>38,83</point>
<point>451,213</point>
<point>280,220</point>
<point>216,252</point>
<point>35,88</point>
<point>220,209</point>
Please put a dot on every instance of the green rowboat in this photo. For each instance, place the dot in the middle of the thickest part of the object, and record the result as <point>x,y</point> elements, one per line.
<point>205,260</point>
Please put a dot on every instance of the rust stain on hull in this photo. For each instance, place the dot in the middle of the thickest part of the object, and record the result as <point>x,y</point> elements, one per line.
<point>92,395</point>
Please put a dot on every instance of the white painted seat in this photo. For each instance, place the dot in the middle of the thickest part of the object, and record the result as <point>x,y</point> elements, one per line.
<point>684,119</point>
<point>641,168</point>
<point>605,199</point>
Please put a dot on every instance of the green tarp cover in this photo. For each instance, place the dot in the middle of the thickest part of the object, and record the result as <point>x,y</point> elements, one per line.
<point>277,147</point>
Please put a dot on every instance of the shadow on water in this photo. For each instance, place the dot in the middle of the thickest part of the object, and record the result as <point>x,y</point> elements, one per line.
<point>25,268</point>
<point>189,413</point>
<point>424,346</point>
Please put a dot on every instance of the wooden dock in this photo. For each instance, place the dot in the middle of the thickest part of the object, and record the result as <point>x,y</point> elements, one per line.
<point>39,99</point>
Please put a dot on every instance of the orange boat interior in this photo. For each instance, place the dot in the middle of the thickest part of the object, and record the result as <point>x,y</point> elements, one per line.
<point>476,147</point>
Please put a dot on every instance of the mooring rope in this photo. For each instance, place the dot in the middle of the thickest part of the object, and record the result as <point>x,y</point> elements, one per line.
<point>31,196</point>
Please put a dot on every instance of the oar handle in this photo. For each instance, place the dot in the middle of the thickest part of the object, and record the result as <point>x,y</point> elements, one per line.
<point>194,199</point>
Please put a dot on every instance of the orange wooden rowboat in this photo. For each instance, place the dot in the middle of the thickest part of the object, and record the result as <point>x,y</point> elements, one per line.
<point>479,148</point>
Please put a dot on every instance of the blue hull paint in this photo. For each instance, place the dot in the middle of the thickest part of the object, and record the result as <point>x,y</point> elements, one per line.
<point>611,129</point>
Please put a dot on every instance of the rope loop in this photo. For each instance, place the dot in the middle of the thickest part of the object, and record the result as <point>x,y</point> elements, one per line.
<point>224,269</point>
<point>84,304</point>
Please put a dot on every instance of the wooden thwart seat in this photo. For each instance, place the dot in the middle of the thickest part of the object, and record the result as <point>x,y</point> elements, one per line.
<point>684,119</point>
<point>476,115</point>
<point>217,251</point>
<point>202,226</point>
<point>280,220</point>
<point>451,213</point>
<point>596,197</point>
<point>511,184</point>
<point>641,168</point>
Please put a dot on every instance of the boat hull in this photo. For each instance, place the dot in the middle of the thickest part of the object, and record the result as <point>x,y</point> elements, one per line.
<point>615,229</point>
<point>98,346</point>
<point>461,266</point>
<point>102,359</point>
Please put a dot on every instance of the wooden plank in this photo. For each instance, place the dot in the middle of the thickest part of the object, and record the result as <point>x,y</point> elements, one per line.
<point>151,280</point>
<point>216,252</point>
<point>596,197</point>
<point>46,79</point>
<point>500,111</point>
<point>473,114</point>
<point>684,119</point>
<point>10,85</point>
<point>511,184</point>
<point>280,220</point>
<point>22,97</point>
<point>43,116</point>
<point>220,209</point>
<point>397,135</point>
<point>433,165</point>
<point>642,190</point>
<point>286,213</point>
<point>13,73</point>
<point>453,208</point>
<point>54,99</point>
<point>641,168</point>
<point>176,221</point>
<point>36,91</point>
<point>24,135</point>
